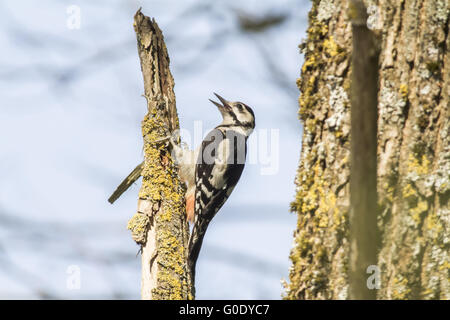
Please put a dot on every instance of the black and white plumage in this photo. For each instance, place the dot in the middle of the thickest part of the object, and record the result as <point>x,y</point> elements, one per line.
<point>220,162</point>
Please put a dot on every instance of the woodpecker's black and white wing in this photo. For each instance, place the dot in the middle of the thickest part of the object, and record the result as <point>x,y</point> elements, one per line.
<point>219,167</point>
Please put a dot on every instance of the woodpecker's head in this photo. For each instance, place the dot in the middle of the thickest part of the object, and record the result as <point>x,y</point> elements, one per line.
<point>236,114</point>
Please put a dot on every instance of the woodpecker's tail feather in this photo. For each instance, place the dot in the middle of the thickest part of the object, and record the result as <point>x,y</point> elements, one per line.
<point>195,244</point>
<point>199,230</point>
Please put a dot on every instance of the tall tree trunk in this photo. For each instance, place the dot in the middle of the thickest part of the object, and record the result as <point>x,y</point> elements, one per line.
<point>413,176</point>
<point>160,223</point>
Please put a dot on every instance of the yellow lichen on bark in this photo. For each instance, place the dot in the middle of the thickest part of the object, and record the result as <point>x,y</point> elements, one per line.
<point>164,239</point>
<point>413,151</point>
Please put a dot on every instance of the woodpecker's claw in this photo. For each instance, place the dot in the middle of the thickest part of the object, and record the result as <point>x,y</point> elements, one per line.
<point>163,139</point>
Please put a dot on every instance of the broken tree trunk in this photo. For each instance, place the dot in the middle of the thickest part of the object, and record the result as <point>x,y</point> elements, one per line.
<point>160,225</point>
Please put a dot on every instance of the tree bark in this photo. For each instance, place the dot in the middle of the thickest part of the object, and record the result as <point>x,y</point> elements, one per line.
<point>160,225</point>
<point>413,152</point>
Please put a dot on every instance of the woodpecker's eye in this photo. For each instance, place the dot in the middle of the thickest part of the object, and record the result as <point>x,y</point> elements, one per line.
<point>240,106</point>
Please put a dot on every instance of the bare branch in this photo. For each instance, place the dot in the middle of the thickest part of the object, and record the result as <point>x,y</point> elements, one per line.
<point>126,183</point>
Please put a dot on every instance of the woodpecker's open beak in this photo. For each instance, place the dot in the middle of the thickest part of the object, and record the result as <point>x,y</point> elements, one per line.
<point>225,106</point>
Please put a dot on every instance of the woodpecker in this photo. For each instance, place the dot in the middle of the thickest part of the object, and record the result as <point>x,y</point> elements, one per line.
<point>219,163</point>
<point>210,172</point>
